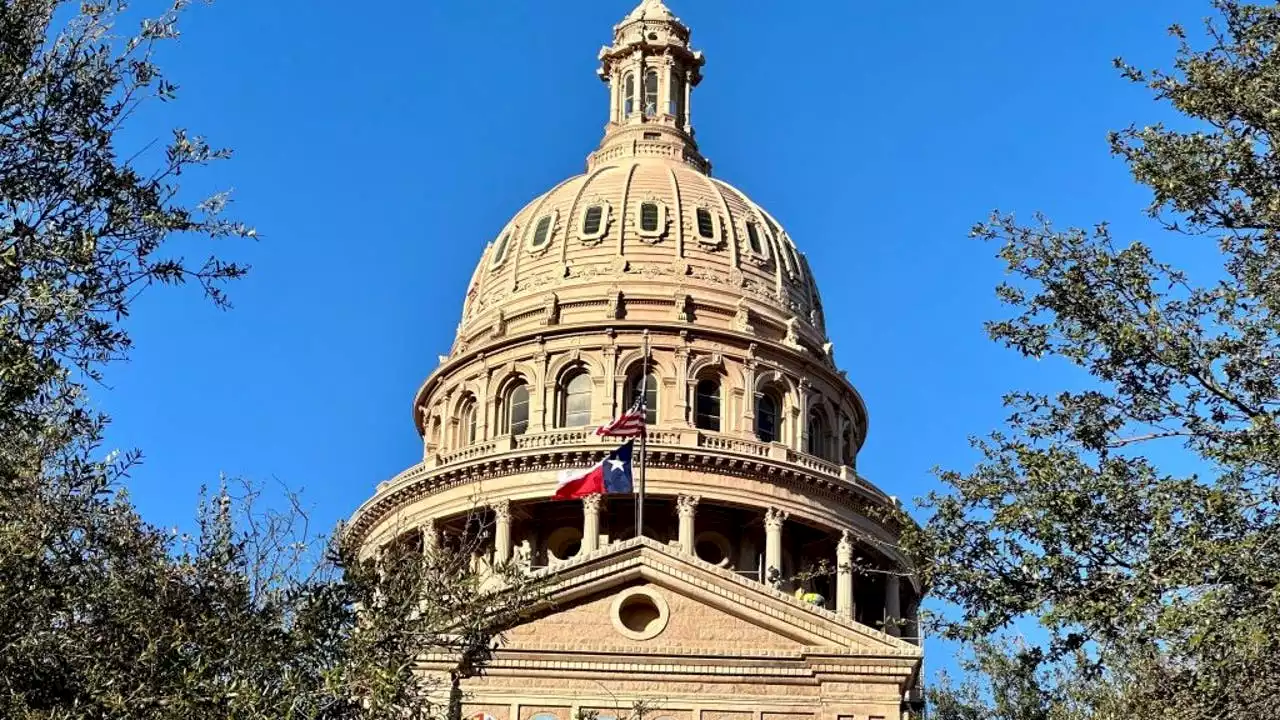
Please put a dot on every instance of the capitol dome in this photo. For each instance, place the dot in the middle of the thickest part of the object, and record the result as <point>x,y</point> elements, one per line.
<point>646,279</point>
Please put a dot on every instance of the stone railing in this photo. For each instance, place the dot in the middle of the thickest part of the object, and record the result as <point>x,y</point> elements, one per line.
<point>556,438</point>
<point>815,464</point>
<point>680,438</point>
<point>469,453</point>
<point>732,444</point>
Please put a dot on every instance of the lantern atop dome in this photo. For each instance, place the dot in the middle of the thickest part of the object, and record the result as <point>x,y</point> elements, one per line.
<point>651,71</point>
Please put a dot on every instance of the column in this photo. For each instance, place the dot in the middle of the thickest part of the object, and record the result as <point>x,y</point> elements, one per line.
<point>590,522</point>
<point>688,85</point>
<point>502,531</point>
<point>844,576</point>
<point>773,520</point>
<point>430,537</point>
<point>686,507</point>
<point>892,604</point>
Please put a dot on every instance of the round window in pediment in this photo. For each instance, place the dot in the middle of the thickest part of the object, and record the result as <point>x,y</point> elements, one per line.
<point>640,613</point>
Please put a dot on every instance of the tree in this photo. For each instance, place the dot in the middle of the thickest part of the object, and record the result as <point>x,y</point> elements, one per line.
<point>103,615</point>
<point>1160,586</point>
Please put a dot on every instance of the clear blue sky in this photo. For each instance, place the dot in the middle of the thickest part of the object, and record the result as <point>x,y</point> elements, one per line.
<point>379,146</point>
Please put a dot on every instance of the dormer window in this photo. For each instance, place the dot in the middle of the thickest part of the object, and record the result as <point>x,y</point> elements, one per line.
<point>650,219</point>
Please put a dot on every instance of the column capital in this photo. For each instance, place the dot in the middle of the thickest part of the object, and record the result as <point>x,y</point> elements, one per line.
<point>773,518</point>
<point>591,503</point>
<point>501,510</point>
<point>844,548</point>
<point>687,505</point>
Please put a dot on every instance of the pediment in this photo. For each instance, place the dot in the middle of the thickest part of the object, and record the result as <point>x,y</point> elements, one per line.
<point>610,600</point>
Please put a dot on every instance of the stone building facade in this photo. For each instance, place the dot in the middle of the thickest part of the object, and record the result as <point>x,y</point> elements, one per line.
<point>751,454</point>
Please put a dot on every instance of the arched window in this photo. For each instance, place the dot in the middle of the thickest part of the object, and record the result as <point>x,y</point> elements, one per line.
<point>628,95</point>
<point>767,418</point>
<point>818,438</point>
<point>516,409</point>
<point>467,422</point>
<point>846,440</point>
<point>575,400</point>
<point>676,104</point>
<point>651,93</point>
<point>706,404</point>
<point>650,396</point>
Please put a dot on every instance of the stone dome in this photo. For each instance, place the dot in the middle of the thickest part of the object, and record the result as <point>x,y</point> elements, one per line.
<point>661,229</point>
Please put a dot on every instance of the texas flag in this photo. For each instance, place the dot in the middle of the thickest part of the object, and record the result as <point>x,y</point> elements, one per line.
<point>610,475</point>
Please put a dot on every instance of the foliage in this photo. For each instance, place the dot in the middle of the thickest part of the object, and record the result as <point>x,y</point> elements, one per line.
<point>101,614</point>
<point>1155,583</point>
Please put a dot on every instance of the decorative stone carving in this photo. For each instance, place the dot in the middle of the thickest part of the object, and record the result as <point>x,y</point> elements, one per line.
<point>742,319</point>
<point>591,503</point>
<point>684,307</point>
<point>499,327</point>
<point>615,309</point>
<point>551,310</point>
<point>793,335</point>
<point>774,519</point>
<point>687,505</point>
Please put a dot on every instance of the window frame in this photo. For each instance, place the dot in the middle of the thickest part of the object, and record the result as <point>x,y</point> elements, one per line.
<point>777,416</point>
<point>650,109</point>
<point>698,413</point>
<point>661,229</point>
<point>717,233</point>
<point>817,444</point>
<point>502,250</point>
<point>601,230</point>
<point>628,94</point>
<point>564,395</point>
<point>652,389</point>
<point>531,233</point>
<point>508,407</point>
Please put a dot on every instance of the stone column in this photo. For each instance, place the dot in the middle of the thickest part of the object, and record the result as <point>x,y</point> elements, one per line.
<point>686,507</point>
<point>430,537</point>
<point>688,112</point>
<point>844,576</point>
<point>892,604</point>
<point>502,531</point>
<point>590,522</point>
<point>773,520</point>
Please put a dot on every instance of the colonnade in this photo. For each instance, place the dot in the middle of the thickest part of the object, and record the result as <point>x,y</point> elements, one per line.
<point>686,513</point>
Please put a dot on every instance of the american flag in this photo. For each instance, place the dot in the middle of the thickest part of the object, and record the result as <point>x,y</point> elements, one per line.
<point>628,424</point>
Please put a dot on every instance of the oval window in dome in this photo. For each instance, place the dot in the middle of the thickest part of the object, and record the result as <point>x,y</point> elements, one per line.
<point>500,253</point>
<point>541,232</point>
<point>649,217</point>
<point>753,237</point>
<point>591,220</point>
<point>706,226</point>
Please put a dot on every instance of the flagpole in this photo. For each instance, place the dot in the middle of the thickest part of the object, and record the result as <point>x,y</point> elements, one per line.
<point>644,435</point>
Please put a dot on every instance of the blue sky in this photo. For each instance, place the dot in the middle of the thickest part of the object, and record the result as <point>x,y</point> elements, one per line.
<point>379,146</point>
